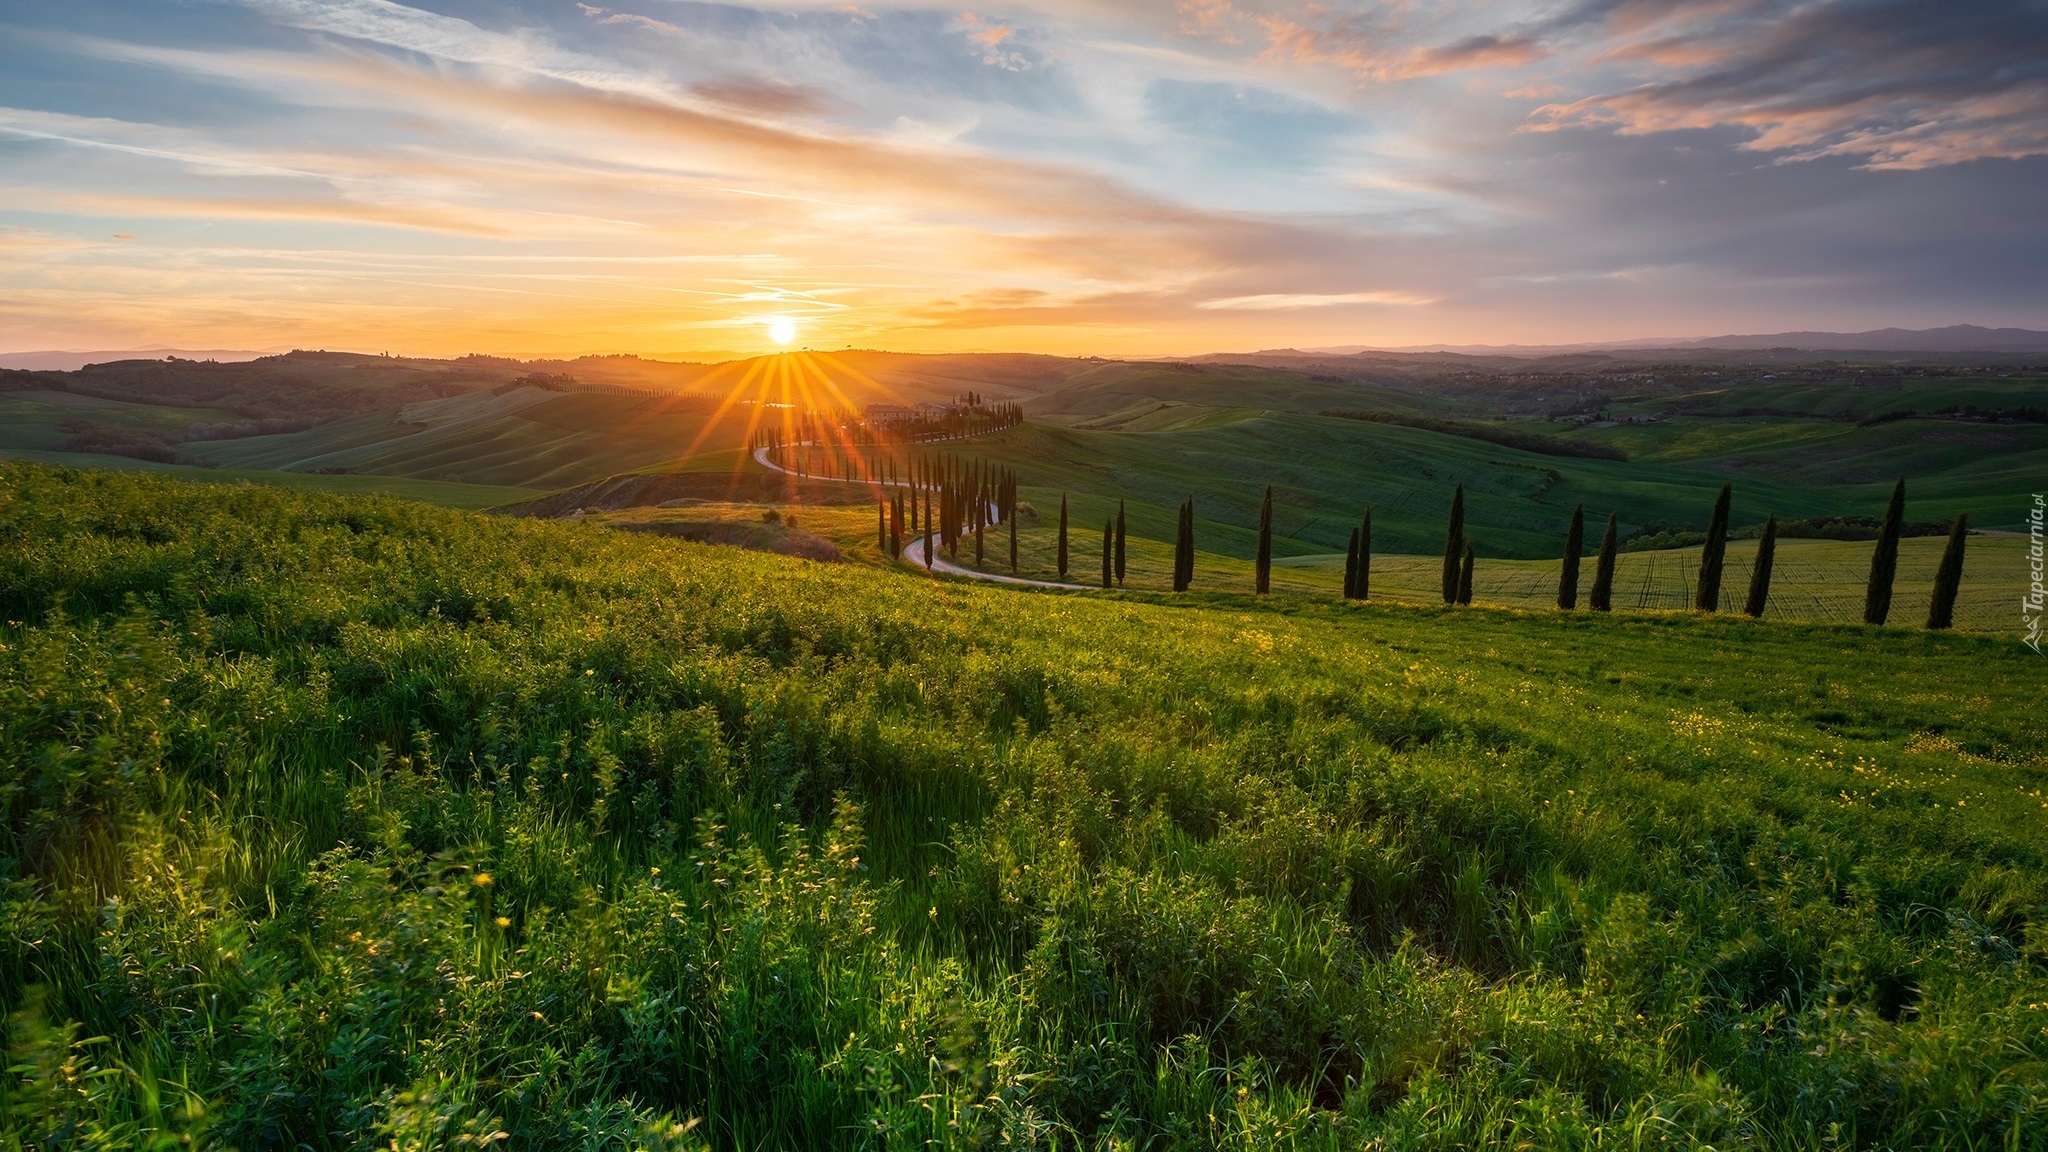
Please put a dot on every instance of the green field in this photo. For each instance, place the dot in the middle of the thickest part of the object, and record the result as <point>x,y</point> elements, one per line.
<point>344,822</point>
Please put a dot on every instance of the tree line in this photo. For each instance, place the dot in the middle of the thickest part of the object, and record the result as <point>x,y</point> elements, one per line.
<point>1460,558</point>
<point>945,499</point>
<point>803,435</point>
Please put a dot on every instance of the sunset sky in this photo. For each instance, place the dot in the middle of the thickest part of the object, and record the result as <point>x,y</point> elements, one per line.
<point>1122,177</point>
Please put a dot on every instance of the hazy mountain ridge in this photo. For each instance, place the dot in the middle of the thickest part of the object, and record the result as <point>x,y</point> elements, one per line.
<point>1954,338</point>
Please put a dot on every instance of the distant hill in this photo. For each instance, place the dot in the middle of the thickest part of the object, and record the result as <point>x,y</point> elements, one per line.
<point>1955,338</point>
<point>66,361</point>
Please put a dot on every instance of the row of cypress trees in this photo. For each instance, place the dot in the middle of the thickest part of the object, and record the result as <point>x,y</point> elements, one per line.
<point>1877,594</point>
<point>958,497</point>
<point>1113,536</point>
<point>995,492</point>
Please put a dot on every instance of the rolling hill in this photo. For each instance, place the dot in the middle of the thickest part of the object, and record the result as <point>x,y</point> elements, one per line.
<point>351,820</point>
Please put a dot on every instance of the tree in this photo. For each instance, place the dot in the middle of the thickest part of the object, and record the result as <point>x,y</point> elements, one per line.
<point>882,526</point>
<point>1454,543</point>
<point>1465,575</point>
<point>1603,570</point>
<point>1574,543</point>
<point>1108,551</point>
<point>1351,568</point>
<point>1119,543</point>
<point>1365,556</point>
<point>1714,553</point>
<point>1760,576</point>
<point>1262,570</point>
<point>927,529</point>
<point>1948,579</point>
<point>1884,561</point>
<point>1063,536</point>
<point>1184,547</point>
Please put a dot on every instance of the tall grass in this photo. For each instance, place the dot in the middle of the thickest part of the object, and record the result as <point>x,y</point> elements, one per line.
<point>346,822</point>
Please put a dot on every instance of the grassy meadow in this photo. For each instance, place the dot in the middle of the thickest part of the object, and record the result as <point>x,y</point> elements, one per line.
<point>345,822</point>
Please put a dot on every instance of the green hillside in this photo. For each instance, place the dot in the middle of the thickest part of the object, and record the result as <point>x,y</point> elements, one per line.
<point>526,437</point>
<point>346,822</point>
<point>1148,433</point>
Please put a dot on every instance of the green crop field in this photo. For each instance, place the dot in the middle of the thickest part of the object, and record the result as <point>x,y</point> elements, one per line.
<point>345,822</point>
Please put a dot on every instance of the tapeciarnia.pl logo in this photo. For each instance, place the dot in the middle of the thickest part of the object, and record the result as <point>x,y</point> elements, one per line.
<point>2031,603</point>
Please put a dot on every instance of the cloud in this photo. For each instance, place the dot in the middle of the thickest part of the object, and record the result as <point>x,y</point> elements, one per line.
<point>1377,49</point>
<point>1277,301</point>
<point>764,97</point>
<point>991,38</point>
<point>1892,84</point>
<point>605,16</point>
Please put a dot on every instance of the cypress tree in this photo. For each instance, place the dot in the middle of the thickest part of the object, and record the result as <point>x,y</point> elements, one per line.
<point>1119,543</point>
<point>1714,553</point>
<point>1603,570</point>
<point>1262,570</point>
<point>1365,556</point>
<point>1184,547</point>
<point>1351,568</point>
<point>882,526</point>
<point>1454,543</point>
<point>1108,551</point>
<point>1760,576</point>
<point>1465,575</point>
<point>1884,561</point>
<point>927,529</point>
<point>1180,525</point>
<point>1948,579</point>
<point>1063,536</point>
<point>1574,543</point>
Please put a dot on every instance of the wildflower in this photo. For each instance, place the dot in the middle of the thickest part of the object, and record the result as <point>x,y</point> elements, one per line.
<point>483,880</point>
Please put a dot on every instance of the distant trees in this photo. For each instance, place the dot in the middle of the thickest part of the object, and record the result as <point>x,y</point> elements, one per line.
<point>1884,561</point>
<point>1365,556</point>
<point>1714,553</point>
<point>1358,561</point>
<point>1119,543</point>
<point>947,497</point>
<point>1568,577</point>
<point>1262,567</point>
<point>1184,547</point>
<point>1454,543</point>
<point>1603,569</point>
<point>1941,610</point>
<point>1063,536</point>
<point>1760,575</point>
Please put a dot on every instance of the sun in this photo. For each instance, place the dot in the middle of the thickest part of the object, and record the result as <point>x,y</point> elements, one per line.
<point>782,331</point>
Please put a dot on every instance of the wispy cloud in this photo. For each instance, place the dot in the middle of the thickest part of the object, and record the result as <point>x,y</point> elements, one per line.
<point>1894,85</point>
<point>1277,301</point>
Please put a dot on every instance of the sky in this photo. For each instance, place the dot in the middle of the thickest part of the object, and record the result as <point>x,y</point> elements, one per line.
<point>1108,177</point>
